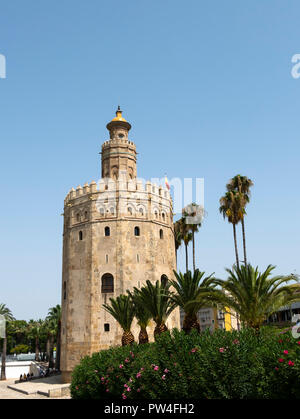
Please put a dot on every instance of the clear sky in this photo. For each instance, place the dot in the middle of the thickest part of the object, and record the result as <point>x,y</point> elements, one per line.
<point>207,87</point>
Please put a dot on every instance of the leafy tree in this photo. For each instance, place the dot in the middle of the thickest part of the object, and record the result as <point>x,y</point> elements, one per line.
<point>54,316</point>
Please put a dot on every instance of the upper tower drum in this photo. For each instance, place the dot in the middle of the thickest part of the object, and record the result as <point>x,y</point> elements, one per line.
<point>118,154</point>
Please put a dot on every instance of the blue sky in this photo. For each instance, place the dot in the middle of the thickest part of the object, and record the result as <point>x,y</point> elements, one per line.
<point>207,87</point>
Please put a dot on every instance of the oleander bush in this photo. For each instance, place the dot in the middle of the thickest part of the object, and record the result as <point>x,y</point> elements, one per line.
<point>222,365</point>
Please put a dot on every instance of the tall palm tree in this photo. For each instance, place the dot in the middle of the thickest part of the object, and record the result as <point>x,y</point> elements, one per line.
<point>122,309</point>
<point>254,295</point>
<point>142,315</point>
<point>50,326</point>
<point>157,300</point>
<point>230,208</point>
<point>54,314</point>
<point>5,311</point>
<point>242,185</point>
<point>192,293</point>
<point>193,216</point>
<point>177,236</point>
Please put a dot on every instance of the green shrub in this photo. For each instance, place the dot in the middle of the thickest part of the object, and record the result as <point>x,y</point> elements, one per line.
<point>222,365</point>
<point>20,349</point>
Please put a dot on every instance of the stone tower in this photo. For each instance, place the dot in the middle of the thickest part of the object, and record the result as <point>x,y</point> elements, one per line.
<point>117,234</point>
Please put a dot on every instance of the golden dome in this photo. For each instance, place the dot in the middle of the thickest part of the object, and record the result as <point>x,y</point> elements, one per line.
<point>118,120</point>
<point>119,116</point>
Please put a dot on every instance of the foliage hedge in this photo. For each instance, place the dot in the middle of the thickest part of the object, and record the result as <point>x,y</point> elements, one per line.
<point>222,365</point>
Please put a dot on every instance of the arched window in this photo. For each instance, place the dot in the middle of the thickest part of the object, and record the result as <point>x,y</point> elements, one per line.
<point>161,233</point>
<point>101,212</point>
<point>129,209</point>
<point>156,214</point>
<point>80,235</point>
<point>107,284</point>
<point>86,215</point>
<point>163,216</point>
<point>141,211</point>
<point>107,231</point>
<point>78,217</point>
<point>164,280</point>
<point>136,231</point>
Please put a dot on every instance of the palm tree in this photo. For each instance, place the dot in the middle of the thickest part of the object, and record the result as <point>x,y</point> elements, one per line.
<point>157,300</point>
<point>142,315</point>
<point>54,314</point>
<point>254,295</point>
<point>122,309</point>
<point>177,236</point>
<point>242,185</point>
<point>230,208</point>
<point>50,326</point>
<point>193,216</point>
<point>192,293</point>
<point>34,331</point>
<point>7,314</point>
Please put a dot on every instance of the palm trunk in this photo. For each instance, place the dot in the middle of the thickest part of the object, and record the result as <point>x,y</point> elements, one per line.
<point>190,322</point>
<point>186,257</point>
<point>37,349</point>
<point>159,329</point>
<point>51,363</point>
<point>143,336</point>
<point>127,338</point>
<point>3,359</point>
<point>48,348</point>
<point>194,263</point>
<point>57,360</point>
<point>244,241</point>
<point>235,246</point>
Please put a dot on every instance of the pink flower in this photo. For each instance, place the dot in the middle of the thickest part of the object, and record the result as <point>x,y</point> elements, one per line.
<point>175,364</point>
<point>107,390</point>
<point>125,385</point>
<point>124,397</point>
<point>285,352</point>
<point>130,380</point>
<point>102,378</point>
<point>128,389</point>
<point>166,371</point>
<point>142,369</point>
<point>138,375</point>
<point>280,341</point>
<point>298,342</point>
<point>291,363</point>
<point>87,382</point>
<point>156,368</point>
<point>77,387</point>
<point>222,350</point>
<point>138,390</point>
<point>236,341</point>
<point>163,377</point>
<point>96,370</point>
<point>281,360</point>
<point>194,350</point>
<point>276,368</point>
<point>121,366</point>
<point>127,360</point>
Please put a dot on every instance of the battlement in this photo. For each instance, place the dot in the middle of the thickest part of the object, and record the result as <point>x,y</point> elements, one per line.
<point>133,187</point>
<point>118,141</point>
